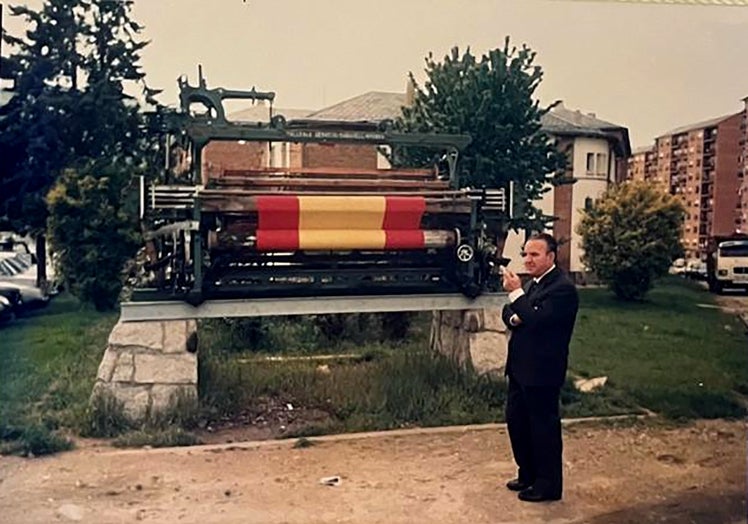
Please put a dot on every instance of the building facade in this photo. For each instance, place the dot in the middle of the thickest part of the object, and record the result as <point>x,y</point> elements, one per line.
<point>701,164</point>
<point>642,165</point>
<point>744,171</point>
<point>597,154</point>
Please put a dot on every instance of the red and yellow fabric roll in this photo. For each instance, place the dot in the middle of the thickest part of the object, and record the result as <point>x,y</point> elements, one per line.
<point>339,222</point>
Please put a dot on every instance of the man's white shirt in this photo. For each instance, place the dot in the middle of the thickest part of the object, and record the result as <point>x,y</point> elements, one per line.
<point>514,320</point>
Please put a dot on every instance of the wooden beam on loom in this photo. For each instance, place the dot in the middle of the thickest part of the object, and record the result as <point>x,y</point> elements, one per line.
<point>220,192</point>
<point>333,184</point>
<point>248,203</point>
<point>341,172</point>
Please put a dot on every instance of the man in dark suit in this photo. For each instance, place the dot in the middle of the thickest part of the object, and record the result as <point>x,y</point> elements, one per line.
<point>540,318</point>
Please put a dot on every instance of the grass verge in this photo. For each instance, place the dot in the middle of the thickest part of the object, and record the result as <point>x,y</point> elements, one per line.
<point>667,353</point>
<point>48,365</point>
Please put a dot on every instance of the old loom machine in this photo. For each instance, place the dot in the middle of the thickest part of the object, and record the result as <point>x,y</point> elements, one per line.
<point>307,231</point>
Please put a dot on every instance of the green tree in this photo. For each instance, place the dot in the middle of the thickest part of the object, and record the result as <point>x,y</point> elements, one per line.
<point>492,99</point>
<point>72,110</point>
<point>630,236</point>
<point>94,231</point>
<point>35,143</point>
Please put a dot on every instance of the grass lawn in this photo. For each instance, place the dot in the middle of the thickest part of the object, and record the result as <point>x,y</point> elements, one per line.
<point>666,354</point>
<point>669,354</point>
<point>48,363</point>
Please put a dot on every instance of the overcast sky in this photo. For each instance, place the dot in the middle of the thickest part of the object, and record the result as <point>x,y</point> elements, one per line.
<point>648,67</point>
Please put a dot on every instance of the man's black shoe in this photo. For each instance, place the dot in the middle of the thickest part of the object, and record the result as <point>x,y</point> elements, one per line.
<point>517,485</point>
<point>532,495</point>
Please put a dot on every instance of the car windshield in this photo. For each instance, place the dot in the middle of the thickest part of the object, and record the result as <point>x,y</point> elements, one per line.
<point>740,250</point>
<point>7,269</point>
<point>18,264</point>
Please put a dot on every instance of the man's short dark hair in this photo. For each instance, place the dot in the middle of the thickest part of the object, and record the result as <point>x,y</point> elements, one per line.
<point>550,242</point>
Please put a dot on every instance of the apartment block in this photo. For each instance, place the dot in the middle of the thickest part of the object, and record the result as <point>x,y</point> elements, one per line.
<point>642,165</point>
<point>700,163</point>
<point>744,171</point>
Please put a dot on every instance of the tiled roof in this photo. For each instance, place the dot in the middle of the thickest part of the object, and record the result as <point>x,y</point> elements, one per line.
<point>698,125</point>
<point>563,120</point>
<point>373,106</point>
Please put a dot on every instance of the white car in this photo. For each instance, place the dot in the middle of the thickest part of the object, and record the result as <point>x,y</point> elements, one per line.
<point>678,267</point>
<point>6,309</point>
<point>18,272</point>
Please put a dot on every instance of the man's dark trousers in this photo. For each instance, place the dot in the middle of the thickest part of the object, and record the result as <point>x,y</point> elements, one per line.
<point>534,425</point>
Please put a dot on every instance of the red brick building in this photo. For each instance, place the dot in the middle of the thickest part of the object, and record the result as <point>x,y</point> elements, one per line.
<point>701,164</point>
<point>369,107</point>
<point>744,172</point>
<point>642,165</point>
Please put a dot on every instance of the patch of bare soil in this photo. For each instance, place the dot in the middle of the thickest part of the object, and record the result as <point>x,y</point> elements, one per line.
<point>736,304</point>
<point>635,474</point>
<point>268,418</point>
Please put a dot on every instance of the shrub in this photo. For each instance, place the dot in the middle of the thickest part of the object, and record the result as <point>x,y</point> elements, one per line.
<point>631,236</point>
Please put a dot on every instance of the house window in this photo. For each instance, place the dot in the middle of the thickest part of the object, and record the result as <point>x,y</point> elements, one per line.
<point>602,164</point>
<point>590,163</point>
<point>588,203</point>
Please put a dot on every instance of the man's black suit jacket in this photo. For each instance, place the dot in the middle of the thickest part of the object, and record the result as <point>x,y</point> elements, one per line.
<point>539,345</point>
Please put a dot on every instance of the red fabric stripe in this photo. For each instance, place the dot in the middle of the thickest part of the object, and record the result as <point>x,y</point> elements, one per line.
<point>277,240</point>
<point>277,212</point>
<point>403,212</point>
<point>404,239</point>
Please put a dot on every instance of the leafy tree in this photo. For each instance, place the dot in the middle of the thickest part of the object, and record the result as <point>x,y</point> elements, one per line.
<point>630,237</point>
<point>94,231</point>
<point>71,111</point>
<point>491,99</point>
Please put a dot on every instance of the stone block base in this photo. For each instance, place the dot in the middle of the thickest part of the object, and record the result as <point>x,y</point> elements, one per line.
<point>475,339</point>
<point>149,366</point>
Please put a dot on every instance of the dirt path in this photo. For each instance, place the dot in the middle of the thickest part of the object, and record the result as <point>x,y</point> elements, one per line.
<point>736,304</point>
<point>613,476</point>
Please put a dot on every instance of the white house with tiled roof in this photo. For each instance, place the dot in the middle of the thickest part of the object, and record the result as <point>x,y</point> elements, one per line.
<point>597,153</point>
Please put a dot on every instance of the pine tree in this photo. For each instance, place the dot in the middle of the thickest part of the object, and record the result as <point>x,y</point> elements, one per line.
<point>72,112</point>
<point>34,142</point>
<point>33,145</point>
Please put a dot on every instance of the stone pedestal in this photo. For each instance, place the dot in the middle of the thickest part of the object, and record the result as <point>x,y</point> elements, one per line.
<point>474,339</point>
<point>149,366</point>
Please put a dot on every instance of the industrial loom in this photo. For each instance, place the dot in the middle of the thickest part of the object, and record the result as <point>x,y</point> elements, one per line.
<point>298,230</point>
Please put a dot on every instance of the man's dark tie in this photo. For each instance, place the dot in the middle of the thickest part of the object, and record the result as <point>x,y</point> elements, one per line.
<point>532,288</point>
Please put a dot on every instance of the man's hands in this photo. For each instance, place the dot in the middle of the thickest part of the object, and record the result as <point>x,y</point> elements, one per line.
<point>510,280</point>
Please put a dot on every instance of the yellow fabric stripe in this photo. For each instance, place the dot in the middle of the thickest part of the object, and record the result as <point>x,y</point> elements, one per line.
<point>337,212</point>
<point>341,239</point>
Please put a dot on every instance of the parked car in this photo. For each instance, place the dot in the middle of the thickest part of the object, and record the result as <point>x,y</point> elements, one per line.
<point>13,296</point>
<point>6,310</point>
<point>695,269</point>
<point>678,267</point>
<point>17,272</point>
<point>15,250</point>
<point>19,269</point>
<point>31,297</point>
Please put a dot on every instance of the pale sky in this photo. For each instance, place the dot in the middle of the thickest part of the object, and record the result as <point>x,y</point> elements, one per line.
<point>650,68</point>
